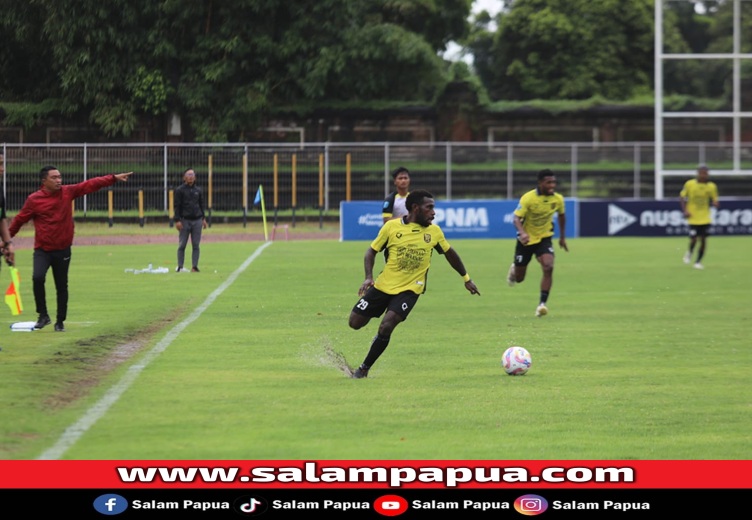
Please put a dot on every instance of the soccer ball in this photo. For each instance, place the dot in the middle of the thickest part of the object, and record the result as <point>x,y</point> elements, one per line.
<point>516,361</point>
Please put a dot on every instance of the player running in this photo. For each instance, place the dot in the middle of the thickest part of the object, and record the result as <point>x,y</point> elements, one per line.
<point>533,220</point>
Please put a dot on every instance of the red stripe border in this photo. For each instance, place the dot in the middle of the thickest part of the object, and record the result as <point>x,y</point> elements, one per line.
<point>651,474</point>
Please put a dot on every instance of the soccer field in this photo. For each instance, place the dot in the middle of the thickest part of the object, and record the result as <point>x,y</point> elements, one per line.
<point>641,357</point>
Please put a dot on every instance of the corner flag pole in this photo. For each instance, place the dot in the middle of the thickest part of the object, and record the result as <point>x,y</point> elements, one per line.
<point>263,212</point>
<point>13,293</point>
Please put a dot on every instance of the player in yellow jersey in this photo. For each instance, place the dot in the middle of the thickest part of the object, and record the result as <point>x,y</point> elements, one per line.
<point>410,242</point>
<point>697,196</point>
<point>533,220</point>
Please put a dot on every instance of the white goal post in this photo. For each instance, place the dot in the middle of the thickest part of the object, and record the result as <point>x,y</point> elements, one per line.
<point>736,114</point>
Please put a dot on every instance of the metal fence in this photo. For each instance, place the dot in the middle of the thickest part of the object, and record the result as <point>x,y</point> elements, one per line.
<point>320,175</point>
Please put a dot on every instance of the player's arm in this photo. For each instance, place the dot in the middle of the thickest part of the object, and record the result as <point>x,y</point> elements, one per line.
<point>683,197</point>
<point>562,231</point>
<point>456,262</point>
<point>683,202</point>
<point>522,235</point>
<point>368,260</point>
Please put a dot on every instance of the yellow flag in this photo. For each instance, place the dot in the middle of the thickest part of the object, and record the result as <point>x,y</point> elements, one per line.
<point>13,293</point>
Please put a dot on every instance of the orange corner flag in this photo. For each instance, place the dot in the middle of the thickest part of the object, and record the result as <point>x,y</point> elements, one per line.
<point>13,293</point>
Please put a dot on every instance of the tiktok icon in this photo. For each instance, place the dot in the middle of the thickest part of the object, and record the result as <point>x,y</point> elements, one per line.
<point>250,506</point>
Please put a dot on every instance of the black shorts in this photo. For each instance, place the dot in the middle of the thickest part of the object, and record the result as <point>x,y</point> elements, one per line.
<point>523,254</point>
<point>699,231</point>
<point>374,303</point>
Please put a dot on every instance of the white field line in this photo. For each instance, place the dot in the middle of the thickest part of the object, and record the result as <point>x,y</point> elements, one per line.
<point>74,432</point>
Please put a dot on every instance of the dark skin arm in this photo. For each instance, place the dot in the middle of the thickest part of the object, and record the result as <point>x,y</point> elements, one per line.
<point>456,262</point>
<point>368,262</point>
<point>522,235</point>
<point>562,227</point>
<point>524,238</point>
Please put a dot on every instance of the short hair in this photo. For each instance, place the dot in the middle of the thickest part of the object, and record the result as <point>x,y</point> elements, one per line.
<point>399,170</point>
<point>187,170</point>
<point>546,172</point>
<point>416,197</point>
<point>44,172</point>
<point>702,167</point>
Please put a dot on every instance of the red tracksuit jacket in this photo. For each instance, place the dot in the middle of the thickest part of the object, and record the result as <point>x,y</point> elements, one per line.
<point>53,213</point>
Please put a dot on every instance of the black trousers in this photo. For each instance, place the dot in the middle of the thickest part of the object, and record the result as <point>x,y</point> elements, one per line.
<point>60,262</point>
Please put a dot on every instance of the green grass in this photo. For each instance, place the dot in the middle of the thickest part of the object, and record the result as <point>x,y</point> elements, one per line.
<point>307,228</point>
<point>641,357</point>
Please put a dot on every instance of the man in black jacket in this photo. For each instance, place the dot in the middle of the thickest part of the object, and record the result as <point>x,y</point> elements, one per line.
<point>189,218</point>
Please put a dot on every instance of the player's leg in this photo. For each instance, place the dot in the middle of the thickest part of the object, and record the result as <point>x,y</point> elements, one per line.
<point>371,305</point>
<point>399,307</point>
<point>692,244</point>
<point>545,256</point>
<point>702,236</point>
<point>518,269</point>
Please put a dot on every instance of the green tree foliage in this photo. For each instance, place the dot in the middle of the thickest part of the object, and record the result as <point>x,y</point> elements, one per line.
<point>225,66</point>
<point>571,49</point>
<point>26,72</point>
<point>222,65</point>
<point>721,31</point>
<point>437,21</point>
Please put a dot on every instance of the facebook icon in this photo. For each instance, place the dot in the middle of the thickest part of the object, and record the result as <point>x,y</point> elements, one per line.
<point>110,504</point>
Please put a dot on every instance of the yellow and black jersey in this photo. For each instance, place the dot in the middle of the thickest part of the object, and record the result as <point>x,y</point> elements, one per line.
<point>409,248</point>
<point>699,196</point>
<point>536,212</point>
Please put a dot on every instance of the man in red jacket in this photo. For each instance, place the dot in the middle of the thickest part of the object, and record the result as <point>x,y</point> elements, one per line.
<point>52,210</point>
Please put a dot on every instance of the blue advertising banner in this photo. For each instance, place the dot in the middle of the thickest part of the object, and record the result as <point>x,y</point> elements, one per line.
<point>361,220</point>
<point>659,218</point>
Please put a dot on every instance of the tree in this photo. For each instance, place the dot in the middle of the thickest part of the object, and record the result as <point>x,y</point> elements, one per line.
<point>223,65</point>
<point>571,49</point>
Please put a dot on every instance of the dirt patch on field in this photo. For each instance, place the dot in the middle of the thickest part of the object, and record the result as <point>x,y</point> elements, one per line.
<point>98,356</point>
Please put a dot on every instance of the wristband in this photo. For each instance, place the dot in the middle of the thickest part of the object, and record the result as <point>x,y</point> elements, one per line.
<point>466,277</point>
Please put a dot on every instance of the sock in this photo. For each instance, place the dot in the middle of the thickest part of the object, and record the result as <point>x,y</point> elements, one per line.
<point>544,296</point>
<point>378,346</point>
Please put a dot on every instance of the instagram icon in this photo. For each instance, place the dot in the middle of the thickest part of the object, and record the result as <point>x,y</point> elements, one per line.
<point>530,505</point>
